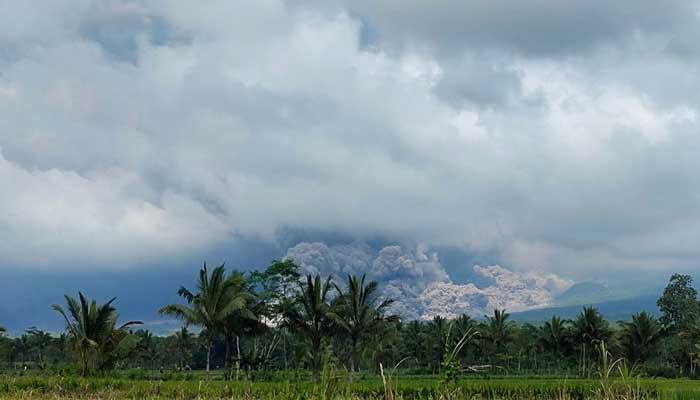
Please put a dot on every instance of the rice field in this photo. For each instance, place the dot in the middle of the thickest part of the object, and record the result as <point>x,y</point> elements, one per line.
<point>340,388</point>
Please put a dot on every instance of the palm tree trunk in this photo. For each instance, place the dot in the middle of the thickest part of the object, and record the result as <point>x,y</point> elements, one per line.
<point>536,365</point>
<point>316,349</point>
<point>238,356</point>
<point>354,363</point>
<point>227,353</point>
<point>208,357</point>
<point>284,349</point>
<point>84,366</point>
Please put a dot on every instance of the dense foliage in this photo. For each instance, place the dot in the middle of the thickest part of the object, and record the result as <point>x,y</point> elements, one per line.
<point>276,320</point>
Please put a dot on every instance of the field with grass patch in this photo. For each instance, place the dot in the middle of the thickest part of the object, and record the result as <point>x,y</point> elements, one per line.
<point>341,387</point>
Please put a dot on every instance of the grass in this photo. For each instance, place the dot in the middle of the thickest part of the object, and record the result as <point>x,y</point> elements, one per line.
<point>340,388</point>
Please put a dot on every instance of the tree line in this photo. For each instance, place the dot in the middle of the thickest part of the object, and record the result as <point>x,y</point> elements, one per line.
<point>278,320</point>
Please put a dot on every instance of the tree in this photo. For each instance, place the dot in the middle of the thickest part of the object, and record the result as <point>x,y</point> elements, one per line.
<point>61,343</point>
<point>39,340</point>
<point>217,298</point>
<point>464,325</point>
<point>93,332</point>
<point>184,341</point>
<point>359,312</point>
<point>22,346</point>
<point>275,286</point>
<point>499,329</point>
<point>309,316</point>
<point>147,349</point>
<point>678,303</point>
<point>590,329</point>
<point>640,337</point>
<point>2,330</point>
<point>553,335</point>
<point>240,319</point>
<point>526,341</point>
<point>413,339</point>
<point>438,332</point>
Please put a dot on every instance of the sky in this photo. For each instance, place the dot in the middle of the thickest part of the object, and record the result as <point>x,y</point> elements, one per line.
<point>139,138</point>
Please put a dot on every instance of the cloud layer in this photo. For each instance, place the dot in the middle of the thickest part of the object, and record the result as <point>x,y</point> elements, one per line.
<point>560,138</point>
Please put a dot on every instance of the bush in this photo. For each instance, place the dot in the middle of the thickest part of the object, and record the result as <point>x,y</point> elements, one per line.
<point>660,371</point>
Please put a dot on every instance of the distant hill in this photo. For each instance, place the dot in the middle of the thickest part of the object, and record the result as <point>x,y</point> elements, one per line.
<point>594,292</point>
<point>613,310</point>
<point>585,292</point>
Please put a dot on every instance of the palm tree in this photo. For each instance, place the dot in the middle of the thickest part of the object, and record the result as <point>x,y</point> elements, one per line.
<point>309,316</point>
<point>413,341</point>
<point>464,325</point>
<point>22,347</point>
<point>147,348</point>
<point>184,341</point>
<point>359,312</point>
<point>590,329</point>
<point>498,329</point>
<point>438,331</point>
<point>640,337</point>
<point>61,343</point>
<point>241,318</point>
<point>553,335</point>
<point>39,340</point>
<point>93,332</point>
<point>217,299</point>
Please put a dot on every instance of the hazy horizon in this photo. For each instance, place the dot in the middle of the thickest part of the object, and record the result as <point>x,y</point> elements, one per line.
<point>499,152</point>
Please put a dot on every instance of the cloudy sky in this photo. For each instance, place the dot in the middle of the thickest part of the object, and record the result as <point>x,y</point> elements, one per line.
<point>544,136</point>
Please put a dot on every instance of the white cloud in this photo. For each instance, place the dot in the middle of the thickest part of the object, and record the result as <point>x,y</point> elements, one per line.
<point>56,215</point>
<point>177,125</point>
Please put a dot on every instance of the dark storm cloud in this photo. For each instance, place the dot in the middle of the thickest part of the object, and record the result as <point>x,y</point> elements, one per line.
<point>532,28</point>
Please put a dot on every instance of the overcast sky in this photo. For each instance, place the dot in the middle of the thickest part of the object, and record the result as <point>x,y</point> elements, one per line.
<point>542,135</point>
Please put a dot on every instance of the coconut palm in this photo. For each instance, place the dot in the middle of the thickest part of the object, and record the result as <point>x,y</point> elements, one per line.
<point>359,312</point>
<point>590,329</point>
<point>184,342</point>
<point>61,344</point>
<point>438,331</point>
<point>640,337</point>
<point>147,349</point>
<point>463,324</point>
<point>413,339</point>
<point>217,298</point>
<point>553,335</point>
<point>93,331</point>
<point>499,331</point>
<point>22,346</point>
<point>308,315</point>
<point>243,318</point>
<point>39,340</point>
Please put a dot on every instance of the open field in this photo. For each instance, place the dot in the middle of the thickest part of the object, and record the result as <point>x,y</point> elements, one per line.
<point>341,388</point>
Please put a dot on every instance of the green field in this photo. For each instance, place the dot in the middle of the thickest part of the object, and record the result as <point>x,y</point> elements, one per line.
<point>340,387</point>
